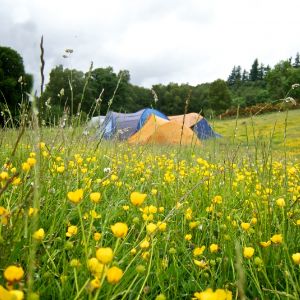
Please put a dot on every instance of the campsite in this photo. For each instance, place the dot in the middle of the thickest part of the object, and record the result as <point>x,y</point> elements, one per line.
<point>149,150</point>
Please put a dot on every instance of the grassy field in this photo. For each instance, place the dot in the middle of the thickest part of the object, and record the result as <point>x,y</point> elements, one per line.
<point>83,220</point>
<point>280,128</point>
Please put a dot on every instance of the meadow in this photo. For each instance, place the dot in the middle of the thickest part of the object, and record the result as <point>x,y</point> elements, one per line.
<point>84,219</point>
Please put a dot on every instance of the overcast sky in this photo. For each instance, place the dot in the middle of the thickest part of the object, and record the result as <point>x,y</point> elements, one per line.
<point>158,41</point>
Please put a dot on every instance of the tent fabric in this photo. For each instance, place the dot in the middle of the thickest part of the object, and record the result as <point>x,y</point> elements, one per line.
<point>121,126</point>
<point>149,128</point>
<point>189,120</point>
<point>174,133</point>
<point>157,130</point>
<point>198,124</point>
<point>204,131</point>
<point>145,115</point>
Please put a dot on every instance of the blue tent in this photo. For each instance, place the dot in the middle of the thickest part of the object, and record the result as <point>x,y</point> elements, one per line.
<point>204,131</point>
<point>122,126</point>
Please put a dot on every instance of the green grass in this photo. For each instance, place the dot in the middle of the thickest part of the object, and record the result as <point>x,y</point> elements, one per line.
<point>282,127</point>
<point>248,173</point>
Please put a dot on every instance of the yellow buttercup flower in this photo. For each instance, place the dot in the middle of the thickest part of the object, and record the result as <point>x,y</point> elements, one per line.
<point>296,258</point>
<point>95,197</point>
<point>248,252</point>
<point>214,248</point>
<point>265,244</point>
<point>13,273</point>
<point>217,199</point>
<point>76,196</point>
<point>97,236</point>
<point>209,294</point>
<point>198,251</point>
<point>72,230</point>
<point>277,239</point>
<point>31,161</point>
<point>39,234</point>
<point>245,226</point>
<point>200,263</point>
<point>25,167</point>
<point>151,227</point>
<point>105,255</point>
<point>280,202</point>
<point>137,198</point>
<point>114,275</point>
<point>188,237</point>
<point>119,229</point>
<point>145,244</point>
<point>95,267</point>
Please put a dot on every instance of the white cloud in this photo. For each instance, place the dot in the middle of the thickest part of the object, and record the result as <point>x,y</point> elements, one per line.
<point>157,41</point>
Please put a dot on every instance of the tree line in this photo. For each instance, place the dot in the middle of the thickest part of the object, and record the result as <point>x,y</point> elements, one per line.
<point>70,91</point>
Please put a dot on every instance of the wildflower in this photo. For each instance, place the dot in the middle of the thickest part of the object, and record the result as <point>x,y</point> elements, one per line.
<point>13,273</point>
<point>95,197</point>
<point>145,255</point>
<point>72,230</point>
<point>151,227</point>
<point>188,237</point>
<point>152,209</point>
<point>60,169</point>
<point>74,263</point>
<point>76,196</point>
<point>280,202</point>
<point>137,198</point>
<point>4,176</point>
<point>104,255</point>
<point>119,229</point>
<point>162,226</point>
<point>248,252</point>
<point>145,244</point>
<point>95,283</point>
<point>25,167</point>
<point>296,258</point>
<point>140,268</point>
<point>161,209</point>
<point>276,239</point>
<point>95,267</point>
<point>209,294</point>
<point>114,275</point>
<point>114,177</point>
<point>253,221</point>
<point>198,251</point>
<point>133,251</point>
<point>161,297</point>
<point>154,192</point>
<point>39,234</point>
<point>94,214</point>
<point>194,224</point>
<point>97,236</point>
<point>217,199</point>
<point>245,226</point>
<point>16,181</point>
<point>214,248</point>
<point>125,207</point>
<point>265,244</point>
<point>258,261</point>
<point>200,263</point>
<point>31,161</point>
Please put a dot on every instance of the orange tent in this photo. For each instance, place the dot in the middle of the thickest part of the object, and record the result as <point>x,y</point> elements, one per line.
<point>189,120</point>
<point>159,131</point>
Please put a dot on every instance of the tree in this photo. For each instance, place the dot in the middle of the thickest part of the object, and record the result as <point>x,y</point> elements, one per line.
<point>114,90</point>
<point>14,82</point>
<point>64,91</point>
<point>253,76</point>
<point>297,61</point>
<point>219,96</point>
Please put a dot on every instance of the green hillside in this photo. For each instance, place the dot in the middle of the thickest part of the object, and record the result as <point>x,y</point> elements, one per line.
<point>273,127</point>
